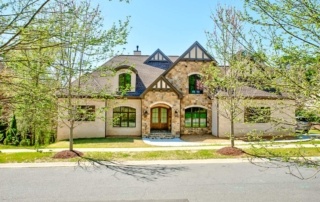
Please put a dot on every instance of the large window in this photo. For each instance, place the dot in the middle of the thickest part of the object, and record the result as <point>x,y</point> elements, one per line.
<point>195,84</point>
<point>124,81</point>
<point>257,114</point>
<point>124,117</point>
<point>85,113</point>
<point>195,117</point>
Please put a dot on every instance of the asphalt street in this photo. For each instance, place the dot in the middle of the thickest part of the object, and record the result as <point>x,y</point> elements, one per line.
<point>158,183</point>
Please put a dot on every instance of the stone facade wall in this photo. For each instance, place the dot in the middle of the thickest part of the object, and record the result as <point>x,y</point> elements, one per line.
<point>155,98</point>
<point>83,129</point>
<point>123,131</point>
<point>179,77</point>
<point>281,110</point>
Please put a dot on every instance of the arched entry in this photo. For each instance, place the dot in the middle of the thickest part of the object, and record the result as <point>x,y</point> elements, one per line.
<point>161,118</point>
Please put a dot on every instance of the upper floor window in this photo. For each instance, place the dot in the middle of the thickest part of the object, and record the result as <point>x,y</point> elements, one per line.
<point>195,84</point>
<point>85,113</point>
<point>124,117</point>
<point>124,81</point>
<point>257,114</point>
<point>195,117</point>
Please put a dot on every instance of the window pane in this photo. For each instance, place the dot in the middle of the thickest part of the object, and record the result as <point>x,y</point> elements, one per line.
<point>257,114</point>
<point>124,109</point>
<point>155,115</point>
<point>195,117</point>
<point>116,119</point>
<point>163,115</point>
<point>124,118</point>
<point>132,119</point>
<point>188,119</point>
<point>203,122</point>
<point>117,109</point>
<point>84,113</point>
<point>195,84</point>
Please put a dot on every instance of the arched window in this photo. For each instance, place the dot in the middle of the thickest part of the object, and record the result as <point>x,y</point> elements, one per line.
<point>195,117</point>
<point>195,84</point>
<point>124,117</point>
<point>124,81</point>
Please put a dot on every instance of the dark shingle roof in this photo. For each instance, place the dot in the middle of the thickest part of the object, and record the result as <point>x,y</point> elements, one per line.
<point>97,81</point>
<point>250,92</point>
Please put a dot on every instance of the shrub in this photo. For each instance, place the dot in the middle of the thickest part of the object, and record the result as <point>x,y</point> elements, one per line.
<point>25,142</point>
<point>5,141</point>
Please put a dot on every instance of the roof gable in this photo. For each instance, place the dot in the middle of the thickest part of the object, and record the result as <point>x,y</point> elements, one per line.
<point>196,52</point>
<point>158,56</point>
<point>162,84</point>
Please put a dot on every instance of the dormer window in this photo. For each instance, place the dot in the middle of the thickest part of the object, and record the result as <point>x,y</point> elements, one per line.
<point>125,82</point>
<point>195,84</point>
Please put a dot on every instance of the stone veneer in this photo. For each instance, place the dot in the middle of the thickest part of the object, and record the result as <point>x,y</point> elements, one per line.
<point>179,77</point>
<point>155,98</point>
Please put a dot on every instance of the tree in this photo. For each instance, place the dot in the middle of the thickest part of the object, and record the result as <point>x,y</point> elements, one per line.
<point>17,15</point>
<point>33,99</point>
<point>228,83</point>
<point>290,35</point>
<point>84,42</point>
<point>291,31</point>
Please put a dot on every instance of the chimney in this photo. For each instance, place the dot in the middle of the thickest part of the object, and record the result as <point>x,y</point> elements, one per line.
<point>137,52</point>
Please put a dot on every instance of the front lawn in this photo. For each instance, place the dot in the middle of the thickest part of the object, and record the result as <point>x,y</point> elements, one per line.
<point>152,155</point>
<point>109,142</point>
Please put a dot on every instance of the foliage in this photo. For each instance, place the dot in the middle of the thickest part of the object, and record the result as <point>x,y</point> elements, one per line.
<point>227,83</point>
<point>289,32</point>
<point>12,135</point>
<point>84,43</point>
<point>48,44</point>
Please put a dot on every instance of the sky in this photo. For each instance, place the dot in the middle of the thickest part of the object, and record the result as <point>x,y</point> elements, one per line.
<point>170,25</point>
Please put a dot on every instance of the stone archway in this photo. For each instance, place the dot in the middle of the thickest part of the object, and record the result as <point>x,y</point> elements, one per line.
<point>160,120</point>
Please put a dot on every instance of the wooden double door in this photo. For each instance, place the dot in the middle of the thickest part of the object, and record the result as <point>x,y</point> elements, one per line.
<point>160,118</point>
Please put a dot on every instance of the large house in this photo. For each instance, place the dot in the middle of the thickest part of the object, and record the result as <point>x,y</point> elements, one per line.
<point>166,98</point>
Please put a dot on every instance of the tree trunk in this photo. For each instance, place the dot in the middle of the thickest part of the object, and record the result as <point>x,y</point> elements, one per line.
<point>232,131</point>
<point>71,138</point>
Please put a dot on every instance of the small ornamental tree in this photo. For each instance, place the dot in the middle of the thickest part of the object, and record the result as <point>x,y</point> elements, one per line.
<point>227,83</point>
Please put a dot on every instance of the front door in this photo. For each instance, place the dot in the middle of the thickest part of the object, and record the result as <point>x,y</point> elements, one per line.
<point>159,118</point>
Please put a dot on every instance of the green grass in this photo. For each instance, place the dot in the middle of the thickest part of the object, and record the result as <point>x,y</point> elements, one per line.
<point>282,152</point>
<point>25,157</point>
<point>314,131</point>
<point>117,156</point>
<point>110,142</point>
<point>152,155</point>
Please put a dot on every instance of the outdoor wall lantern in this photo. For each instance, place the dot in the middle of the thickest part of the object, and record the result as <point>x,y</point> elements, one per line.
<point>176,113</point>
<point>145,113</point>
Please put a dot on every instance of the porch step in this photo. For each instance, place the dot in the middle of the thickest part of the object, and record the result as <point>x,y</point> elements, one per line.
<point>160,136</point>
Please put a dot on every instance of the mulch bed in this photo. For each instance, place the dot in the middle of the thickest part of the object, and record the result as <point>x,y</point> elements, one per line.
<point>66,154</point>
<point>230,151</point>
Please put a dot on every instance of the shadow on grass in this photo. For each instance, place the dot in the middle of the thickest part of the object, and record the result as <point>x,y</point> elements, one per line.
<point>139,172</point>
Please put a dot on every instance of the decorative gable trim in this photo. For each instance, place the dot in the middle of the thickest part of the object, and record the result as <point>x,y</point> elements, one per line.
<point>162,84</point>
<point>158,56</point>
<point>191,54</point>
<point>196,52</point>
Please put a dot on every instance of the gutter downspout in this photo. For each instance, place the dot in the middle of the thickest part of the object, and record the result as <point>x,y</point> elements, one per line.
<point>218,117</point>
<point>105,118</point>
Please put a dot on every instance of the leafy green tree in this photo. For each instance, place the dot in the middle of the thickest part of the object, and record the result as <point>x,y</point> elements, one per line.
<point>34,96</point>
<point>228,82</point>
<point>289,32</point>
<point>84,42</point>
<point>12,135</point>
